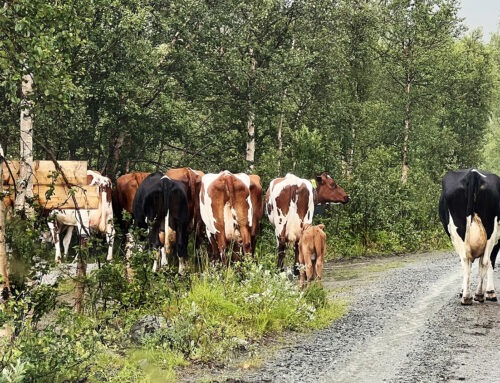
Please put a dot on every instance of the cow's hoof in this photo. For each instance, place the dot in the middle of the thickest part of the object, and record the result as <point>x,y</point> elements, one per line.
<point>466,301</point>
<point>479,298</point>
<point>490,296</point>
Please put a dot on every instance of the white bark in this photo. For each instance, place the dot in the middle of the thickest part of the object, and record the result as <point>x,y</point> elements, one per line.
<point>250,152</point>
<point>25,180</point>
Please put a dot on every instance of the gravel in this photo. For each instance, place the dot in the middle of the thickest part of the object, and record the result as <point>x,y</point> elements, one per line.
<point>407,325</point>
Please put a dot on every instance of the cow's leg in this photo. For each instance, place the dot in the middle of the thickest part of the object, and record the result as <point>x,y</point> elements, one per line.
<point>166,249</point>
<point>309,269</point>
<point>110,238</point>
<point>296,263</point>
<point>490,287</point>
<point>67,240</point>
<point>319,268</point>
<point>302,268</point>
<point>466,293</point>
<point>181,245</point>
<point>54,231</point>
<point>129,243</point>
<point>281,254</point>
<point>483,267</point>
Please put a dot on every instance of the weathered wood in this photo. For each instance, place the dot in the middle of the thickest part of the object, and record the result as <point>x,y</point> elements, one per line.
<point>87,197</point>
<point>76,172</point>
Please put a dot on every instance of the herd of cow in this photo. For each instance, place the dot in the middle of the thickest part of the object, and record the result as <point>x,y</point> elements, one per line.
<point>223,209</point>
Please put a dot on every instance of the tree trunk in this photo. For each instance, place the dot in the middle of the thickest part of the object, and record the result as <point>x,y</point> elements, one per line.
<point>404,172</point>
<point>280,134</point>
<point>250,152</point>
<point>4,276</point>
<point>25,181</point>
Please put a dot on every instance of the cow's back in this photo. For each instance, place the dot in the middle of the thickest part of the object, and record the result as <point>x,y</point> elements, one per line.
<point>289,205</point>
<point>126,187</point>
<point>466,193</point>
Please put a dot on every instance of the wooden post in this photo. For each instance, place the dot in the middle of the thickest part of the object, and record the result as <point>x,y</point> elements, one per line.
<point>4,276</point>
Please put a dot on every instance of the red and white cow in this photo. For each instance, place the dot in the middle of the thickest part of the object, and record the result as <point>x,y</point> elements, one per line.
<point>100,219</point>
<point>227,212</point>
<point>290,205</point>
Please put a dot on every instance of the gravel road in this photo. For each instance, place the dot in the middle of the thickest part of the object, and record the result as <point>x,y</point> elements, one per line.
<point>405,324</point>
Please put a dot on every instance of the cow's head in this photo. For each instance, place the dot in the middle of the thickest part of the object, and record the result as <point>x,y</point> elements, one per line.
<point>329,191</point>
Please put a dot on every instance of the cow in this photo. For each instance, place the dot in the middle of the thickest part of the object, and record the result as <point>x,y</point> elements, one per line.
<point>124,193</point>
<point>290,205</point>
<point>127,185</point>
<point>162,202</point>
<point>469,209</point>
<point>85,220</point>
<point>192,182</point>
<point>227,212</point>
<point>312,246</point>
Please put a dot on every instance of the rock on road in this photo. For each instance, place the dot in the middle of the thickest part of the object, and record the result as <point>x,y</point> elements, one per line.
<point>405,325</point>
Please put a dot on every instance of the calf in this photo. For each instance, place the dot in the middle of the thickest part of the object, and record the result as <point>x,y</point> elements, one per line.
<point>312,245</point>
<point>469,209</point>
<point>162,202</point>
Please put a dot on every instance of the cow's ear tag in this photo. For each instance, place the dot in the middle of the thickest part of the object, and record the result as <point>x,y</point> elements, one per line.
<point>313,181</point>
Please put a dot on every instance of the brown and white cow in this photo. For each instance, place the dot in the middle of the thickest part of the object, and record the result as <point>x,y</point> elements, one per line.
<point>290,205</point>
<point>227,212</point>
<point>100,219</point>
<point>312,246</point>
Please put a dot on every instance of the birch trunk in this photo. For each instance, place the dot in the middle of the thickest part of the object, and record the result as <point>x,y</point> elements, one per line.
<point>25,181</point>
<point>404,172</point>
<point>250,152</point>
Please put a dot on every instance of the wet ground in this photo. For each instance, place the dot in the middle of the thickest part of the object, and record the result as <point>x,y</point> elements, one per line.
<point>405,324</point>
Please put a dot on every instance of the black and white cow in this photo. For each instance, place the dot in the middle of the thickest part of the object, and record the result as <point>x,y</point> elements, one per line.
<point>162,202</point>
<point>469,209</point>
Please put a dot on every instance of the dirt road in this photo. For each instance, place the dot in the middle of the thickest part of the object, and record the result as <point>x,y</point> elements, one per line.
<point>405,324</point>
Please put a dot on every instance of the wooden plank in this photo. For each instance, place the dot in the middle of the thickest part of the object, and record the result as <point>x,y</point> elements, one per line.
<point>75,171</point>
<point>14,167</point>
<point>86,196</point>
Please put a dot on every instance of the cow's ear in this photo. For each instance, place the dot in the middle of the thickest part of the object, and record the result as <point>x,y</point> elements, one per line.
<point>319,179</point>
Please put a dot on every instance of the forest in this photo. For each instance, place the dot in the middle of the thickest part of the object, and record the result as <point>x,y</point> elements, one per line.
<point>383,95</point>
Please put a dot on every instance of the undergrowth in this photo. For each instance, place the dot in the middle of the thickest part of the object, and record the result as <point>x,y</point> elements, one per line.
<point>205,317</point>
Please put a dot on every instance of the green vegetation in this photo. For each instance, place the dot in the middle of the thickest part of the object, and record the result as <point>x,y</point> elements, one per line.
<point>203,317</point>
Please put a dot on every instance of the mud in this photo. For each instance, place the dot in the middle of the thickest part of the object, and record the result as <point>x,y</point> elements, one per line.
<point>405,324</point>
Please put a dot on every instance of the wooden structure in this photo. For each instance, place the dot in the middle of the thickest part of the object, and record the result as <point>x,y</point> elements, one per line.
<point>54,193</point>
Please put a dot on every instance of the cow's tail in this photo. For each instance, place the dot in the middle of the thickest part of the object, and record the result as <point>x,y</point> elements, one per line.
<point>230,189</point>
<point>192,185</point>
<point>472,192</point>
<point>166,190</point>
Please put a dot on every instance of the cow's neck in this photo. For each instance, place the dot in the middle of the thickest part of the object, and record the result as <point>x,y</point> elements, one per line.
<point>315,197</point>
